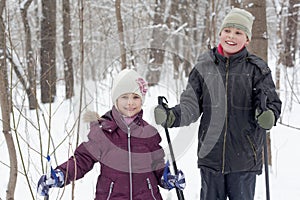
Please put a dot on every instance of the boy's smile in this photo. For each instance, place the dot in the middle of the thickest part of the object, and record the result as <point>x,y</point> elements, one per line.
<point>232,40</point>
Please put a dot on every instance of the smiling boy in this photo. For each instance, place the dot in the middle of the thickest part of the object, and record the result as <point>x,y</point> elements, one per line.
<point>233,93</point>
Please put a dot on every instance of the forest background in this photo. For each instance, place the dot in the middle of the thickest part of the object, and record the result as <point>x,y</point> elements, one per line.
<point>58,58</point>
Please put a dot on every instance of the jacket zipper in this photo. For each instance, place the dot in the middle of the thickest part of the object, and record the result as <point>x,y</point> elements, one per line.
<point>111,186</point>
<point>150,188</point>
<point>226,115</point>
<point>129,163</point>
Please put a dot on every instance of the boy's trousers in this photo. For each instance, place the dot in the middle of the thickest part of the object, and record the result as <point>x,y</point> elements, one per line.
<point>235,186</point>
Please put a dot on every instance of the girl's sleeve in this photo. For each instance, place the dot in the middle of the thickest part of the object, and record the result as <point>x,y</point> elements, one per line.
<point>78,165</point>
<point>83,160</point>
<point>158,156</point>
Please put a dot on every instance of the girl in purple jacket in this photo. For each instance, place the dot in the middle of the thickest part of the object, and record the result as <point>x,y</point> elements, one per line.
<point>127,147</point>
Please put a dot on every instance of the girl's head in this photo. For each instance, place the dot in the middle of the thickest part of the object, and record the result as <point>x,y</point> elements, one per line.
<point>128,92</point>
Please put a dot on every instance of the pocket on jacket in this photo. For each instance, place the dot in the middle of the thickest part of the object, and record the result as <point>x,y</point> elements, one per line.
<point>253,147</point>
<point>111,186</point>
<point>150,188</point>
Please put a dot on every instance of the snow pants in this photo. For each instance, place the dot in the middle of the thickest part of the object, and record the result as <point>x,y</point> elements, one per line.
<point>235,186</point>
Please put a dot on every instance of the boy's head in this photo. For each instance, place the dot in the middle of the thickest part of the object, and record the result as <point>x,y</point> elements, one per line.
<point>128,81</point>
<point>240,19</point>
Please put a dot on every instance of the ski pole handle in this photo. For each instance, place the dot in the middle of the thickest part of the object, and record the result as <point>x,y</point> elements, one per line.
<point>51,171</point>
<point>161,100</point>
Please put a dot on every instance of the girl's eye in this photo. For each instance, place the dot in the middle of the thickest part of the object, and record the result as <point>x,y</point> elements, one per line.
<point>124,97</point>
<point>136,96</point>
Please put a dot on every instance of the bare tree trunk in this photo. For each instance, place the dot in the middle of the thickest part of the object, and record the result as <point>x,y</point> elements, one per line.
<point>279,43</point>
<point>186,18</point>
<point>207,23</point>
<point>259,42</point>
<point>212,10</point>
<point>157,51</point>
<point>195,24</point>
<point>48,57</point>
<point>121,33</point>
<point>173,23</point>
<point>291,34</point>
<point>30,62</point>
<point>67,50</point>
<point>5,102</point>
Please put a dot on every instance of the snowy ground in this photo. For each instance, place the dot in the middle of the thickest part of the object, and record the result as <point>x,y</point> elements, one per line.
<point>284,174</point>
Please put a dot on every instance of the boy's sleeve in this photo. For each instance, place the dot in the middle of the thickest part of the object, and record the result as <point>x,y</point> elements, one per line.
<point>189,109</point>
<point>265,87</point>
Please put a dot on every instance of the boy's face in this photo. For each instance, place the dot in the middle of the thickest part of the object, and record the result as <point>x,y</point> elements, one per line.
<point>129,104</point>
<point>233,40</point>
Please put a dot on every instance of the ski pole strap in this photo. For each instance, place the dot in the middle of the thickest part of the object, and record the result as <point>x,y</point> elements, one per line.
<point>52,171</point>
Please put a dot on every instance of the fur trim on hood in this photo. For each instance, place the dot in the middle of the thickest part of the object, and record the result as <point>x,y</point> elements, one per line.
<point>91,116</point>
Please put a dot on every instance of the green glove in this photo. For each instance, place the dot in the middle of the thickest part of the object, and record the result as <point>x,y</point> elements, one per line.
<point>265,119</point>
<point>160,115</point>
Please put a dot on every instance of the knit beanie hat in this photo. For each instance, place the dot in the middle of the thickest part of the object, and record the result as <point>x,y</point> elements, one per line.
<point>240,19</point>
<point>128,81</point>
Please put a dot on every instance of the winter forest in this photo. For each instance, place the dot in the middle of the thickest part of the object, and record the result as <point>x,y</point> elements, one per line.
<point>58,59</point>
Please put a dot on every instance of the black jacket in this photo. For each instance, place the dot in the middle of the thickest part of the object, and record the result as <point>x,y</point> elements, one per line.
<point>225,93</point>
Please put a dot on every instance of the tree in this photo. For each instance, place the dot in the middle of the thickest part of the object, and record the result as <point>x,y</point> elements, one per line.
<point>291,34</point>
<point>157,52</point>
<point>30,62</point>
<point>120,33</point>
<point>5,101</point>
<point>67,50</point>
<point>48,57</point>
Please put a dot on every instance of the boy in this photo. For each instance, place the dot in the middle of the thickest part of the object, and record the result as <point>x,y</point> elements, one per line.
<point>234,94</point>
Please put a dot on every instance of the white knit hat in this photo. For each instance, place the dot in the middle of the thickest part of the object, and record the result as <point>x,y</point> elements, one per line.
<point>128,81</point>
<point>240,19</point>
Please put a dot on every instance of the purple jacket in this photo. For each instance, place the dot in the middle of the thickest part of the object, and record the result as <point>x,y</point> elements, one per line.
<point>132,161</point>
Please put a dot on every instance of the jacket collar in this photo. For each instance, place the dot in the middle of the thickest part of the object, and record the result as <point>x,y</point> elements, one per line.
<point>114,120</point>
<point>238,57</point>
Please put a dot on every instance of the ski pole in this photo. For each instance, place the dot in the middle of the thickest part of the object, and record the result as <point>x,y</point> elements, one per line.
<point>161,102</point>
<point>263,108</point>
<point>266,167</point>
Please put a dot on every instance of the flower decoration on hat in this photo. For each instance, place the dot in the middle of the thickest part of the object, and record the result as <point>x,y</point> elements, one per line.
<point>143,86</point>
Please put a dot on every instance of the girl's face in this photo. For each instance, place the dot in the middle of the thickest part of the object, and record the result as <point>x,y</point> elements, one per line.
<point>233,40</point>
<point>129,104</point>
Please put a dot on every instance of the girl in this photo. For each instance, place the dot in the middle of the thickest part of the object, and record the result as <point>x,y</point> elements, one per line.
<point>127,147</point>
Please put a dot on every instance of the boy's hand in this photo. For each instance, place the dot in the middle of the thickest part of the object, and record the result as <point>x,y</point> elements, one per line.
<point>265,119</point>
<point>161,115</point>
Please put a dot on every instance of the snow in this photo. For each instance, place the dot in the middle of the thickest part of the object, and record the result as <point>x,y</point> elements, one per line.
<point>284,173</point>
